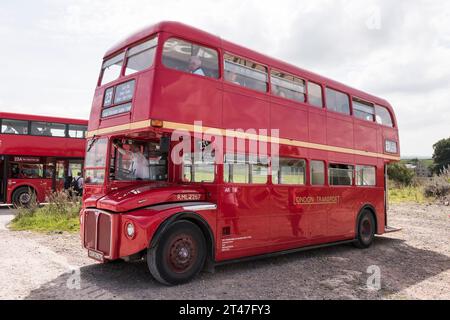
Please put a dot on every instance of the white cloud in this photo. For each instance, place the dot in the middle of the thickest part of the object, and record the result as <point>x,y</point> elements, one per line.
<point>398,50</point>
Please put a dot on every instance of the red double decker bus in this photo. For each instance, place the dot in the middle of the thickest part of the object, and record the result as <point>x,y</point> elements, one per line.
<point>306,168</point>
<point>37,154</point>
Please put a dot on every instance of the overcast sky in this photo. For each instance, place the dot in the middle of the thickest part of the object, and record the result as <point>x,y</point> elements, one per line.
<point>51,50</point>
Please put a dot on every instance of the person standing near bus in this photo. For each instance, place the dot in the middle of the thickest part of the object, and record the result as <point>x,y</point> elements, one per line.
<point>79,184</point>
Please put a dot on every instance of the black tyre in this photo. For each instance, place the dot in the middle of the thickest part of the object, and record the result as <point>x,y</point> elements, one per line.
<point>366,230</point>
<point>23,197</point>
<point>179,255</point>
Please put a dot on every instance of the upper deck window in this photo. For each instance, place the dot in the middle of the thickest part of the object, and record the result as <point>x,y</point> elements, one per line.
<point>245,73</point>
<point>77,131</point>
<point>191,58</point>
<point>315,95</point>
<point>383,116</point>
<point>48,129</point>
<point>363,110</point>
<point>287,86</point>
<point>14,126</point>
<point>111,68</point>
<point>338,101</point>
<point>141,57</point>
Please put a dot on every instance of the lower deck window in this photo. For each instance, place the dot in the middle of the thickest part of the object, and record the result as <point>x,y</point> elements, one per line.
<point>197,168</point>
<point>365,176</point>
<point>290,172</point>
<point>317,173</point>
<point>245,169</point>
<point>340,175</point>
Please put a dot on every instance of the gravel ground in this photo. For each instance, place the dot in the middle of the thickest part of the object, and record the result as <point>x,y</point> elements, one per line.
<point>413,263</point>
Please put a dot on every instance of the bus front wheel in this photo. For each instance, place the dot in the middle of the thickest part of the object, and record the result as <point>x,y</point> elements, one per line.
<point>23,197</point>
<point>366,230</point>
<point>179,255</point>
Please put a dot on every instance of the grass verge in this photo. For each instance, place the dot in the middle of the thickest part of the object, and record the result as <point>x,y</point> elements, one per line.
<point>408,194</point>
<point>60,215</point>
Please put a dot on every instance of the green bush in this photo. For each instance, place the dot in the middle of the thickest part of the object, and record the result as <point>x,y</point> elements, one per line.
<point>438,186</point>
<point>400,174</point>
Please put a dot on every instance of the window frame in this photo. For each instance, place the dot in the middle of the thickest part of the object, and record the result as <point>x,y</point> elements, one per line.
<point>323,106</point>
<point>271,91</point>
<point>249,165</point>
<point>365,166</point>
<point>268,72</point>
<point>350,113</point>
<point>199,44</point>
<point>28,122</point>
<point>325,174</point>
<point>390,115</point>
<point>363,102</point>
<point>353,181</point>
<point>132,46</point>
<point>275,181</point>
<point>192,171</point>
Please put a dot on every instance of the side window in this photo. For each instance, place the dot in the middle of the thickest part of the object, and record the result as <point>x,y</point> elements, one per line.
<point>111,68</point>
<point>383,116</point>
<point>245,169</point>
<point>340,175</point>
<point>245,73</point>
<point>290,172</point>
<point>315,95</point>
<point>259,170</point>
<point>48,129</point>
<point>197,168</point>
<point>365,176</point>
<point>317,173</point>
<point>363,110</point>
<point>338,101</point>
<point>190,58</point>
<point>141,56</point>
<point>14,126</point>
<point>236,169</point>
<point>287,86</point>
<point>76,131</point>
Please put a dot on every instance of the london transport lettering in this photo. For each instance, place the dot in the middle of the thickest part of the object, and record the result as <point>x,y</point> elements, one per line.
<point>309,200</point>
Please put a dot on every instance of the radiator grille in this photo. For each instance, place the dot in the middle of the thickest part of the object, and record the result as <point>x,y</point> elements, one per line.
<point>97,231</point>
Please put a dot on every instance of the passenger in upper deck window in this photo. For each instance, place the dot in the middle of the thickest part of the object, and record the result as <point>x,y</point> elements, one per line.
<point>195,66</point>
<point>231,77</point>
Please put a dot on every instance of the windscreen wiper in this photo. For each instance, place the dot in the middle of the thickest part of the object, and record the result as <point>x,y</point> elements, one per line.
<point>91,144</point>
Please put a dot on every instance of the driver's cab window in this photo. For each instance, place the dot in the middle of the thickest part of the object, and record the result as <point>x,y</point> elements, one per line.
<point>134,160</point>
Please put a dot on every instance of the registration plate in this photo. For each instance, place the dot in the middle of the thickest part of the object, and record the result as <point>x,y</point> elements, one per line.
<point>96,255</point>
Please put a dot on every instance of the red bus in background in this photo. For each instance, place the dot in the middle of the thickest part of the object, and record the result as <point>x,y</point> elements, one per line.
<point>37,153</point>
<point>328,186</point>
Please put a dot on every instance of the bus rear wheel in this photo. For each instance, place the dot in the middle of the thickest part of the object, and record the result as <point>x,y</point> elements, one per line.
<point>23,197</point>
<point>179,255</point>
<point>366,230</point>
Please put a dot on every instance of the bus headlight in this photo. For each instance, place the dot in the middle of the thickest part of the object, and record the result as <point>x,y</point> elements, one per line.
<point>130,230</point>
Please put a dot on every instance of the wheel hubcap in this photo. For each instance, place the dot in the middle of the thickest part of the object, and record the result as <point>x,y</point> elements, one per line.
<point>366,229</point>
<point>182,253</point>
<point>24,198</point>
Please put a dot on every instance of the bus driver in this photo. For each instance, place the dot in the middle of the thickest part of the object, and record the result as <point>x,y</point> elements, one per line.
<point>140,166</point>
